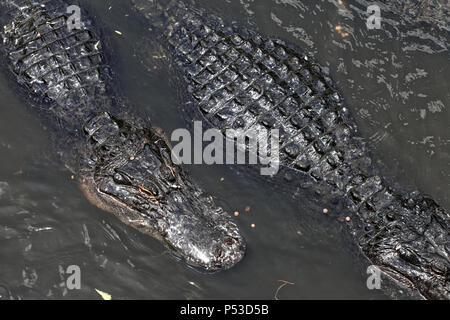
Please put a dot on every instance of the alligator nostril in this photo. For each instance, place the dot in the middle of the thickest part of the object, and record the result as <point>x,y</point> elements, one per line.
<point>218,251</point>
<point>229,241</point>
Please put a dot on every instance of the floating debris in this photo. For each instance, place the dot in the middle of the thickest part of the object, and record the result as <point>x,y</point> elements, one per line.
<point>104,295</point>
<point>158,56</point>
<point>283,284</point>
<point>247,209</point>
<point>222,179</point>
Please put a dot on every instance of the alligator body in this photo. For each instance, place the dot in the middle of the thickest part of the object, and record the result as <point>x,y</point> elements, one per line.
<point>236,78</point>
<point>122,166</point>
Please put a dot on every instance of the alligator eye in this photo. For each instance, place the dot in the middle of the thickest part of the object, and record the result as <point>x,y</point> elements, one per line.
<point>121,179</point>
<point>168,173</point>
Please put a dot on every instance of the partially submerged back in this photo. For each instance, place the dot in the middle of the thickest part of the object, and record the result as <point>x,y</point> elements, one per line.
<point>235,78</point>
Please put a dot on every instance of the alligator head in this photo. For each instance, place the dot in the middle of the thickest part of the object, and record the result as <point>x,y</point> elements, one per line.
<point>129,172</point>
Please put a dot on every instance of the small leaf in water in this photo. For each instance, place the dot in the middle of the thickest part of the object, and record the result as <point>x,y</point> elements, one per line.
<point>104,295</point>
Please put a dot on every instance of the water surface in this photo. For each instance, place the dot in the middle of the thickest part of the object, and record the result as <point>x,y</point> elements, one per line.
<point>395,81</point>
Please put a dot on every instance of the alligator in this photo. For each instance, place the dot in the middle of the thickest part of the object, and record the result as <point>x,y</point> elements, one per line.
<point>122,165</point>
<point>232,77</point>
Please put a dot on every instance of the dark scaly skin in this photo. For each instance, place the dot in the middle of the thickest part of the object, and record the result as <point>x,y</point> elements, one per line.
<point>236,78</point>
<point>123,166</point>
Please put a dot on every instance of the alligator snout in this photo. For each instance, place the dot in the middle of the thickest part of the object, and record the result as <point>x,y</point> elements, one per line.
<point>205,236</point>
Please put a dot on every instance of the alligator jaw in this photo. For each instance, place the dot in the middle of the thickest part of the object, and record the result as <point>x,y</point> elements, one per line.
<point>129,173</point>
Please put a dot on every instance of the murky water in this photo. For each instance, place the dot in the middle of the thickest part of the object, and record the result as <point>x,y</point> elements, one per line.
<point>396,83</point>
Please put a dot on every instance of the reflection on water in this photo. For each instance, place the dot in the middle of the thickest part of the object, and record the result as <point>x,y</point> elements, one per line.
<point>395,81</point>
